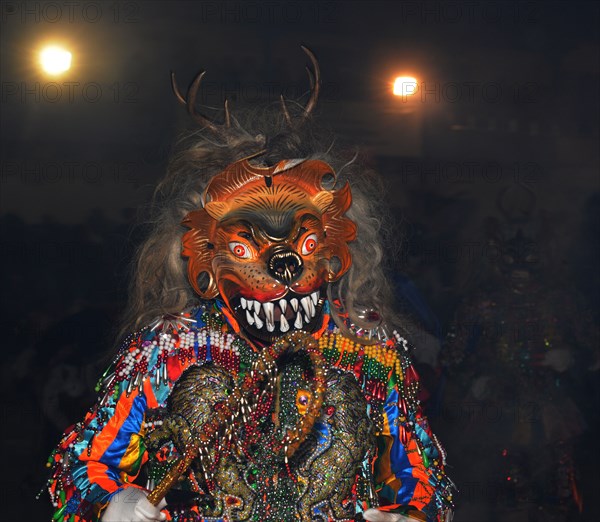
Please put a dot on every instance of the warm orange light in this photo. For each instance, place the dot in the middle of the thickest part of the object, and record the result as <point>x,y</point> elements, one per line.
<point>55,60</point>
<point>405,86</point>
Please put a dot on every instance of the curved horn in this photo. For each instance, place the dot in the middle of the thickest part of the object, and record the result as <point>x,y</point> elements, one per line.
<point>190,102</point>
<point>286,114</point>
<point>315,86</point>
<point>227,115</point>
<point>176,90</point>
<point>314,79</point>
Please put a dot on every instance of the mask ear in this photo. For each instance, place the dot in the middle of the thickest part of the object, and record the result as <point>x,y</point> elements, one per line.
<point>200,251</point>
<point>340,231</point>
<point>323,200</point>
<point>216,209</point>
<point>205,285</point>
<point>335,269</point>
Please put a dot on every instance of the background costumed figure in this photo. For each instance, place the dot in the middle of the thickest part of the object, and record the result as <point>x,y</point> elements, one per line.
<point>513,357</point>
<point>260,382</point>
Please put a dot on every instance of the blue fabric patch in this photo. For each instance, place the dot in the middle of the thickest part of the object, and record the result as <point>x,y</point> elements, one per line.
<point>133,424</point>
<point>399,463</point>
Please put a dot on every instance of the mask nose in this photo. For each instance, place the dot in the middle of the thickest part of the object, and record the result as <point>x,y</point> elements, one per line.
<point>285,266</point>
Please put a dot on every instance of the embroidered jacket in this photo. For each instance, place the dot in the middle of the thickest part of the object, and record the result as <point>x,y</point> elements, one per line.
<point>402,472</point>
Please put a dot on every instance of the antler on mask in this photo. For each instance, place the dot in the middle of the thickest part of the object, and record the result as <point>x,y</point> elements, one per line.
<point>222,130</point>
<point>190,102</point>
<point>315,88</point>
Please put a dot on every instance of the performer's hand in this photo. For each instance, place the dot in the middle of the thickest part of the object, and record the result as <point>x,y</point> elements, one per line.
<point>131,505</point>
<point>374,515</point>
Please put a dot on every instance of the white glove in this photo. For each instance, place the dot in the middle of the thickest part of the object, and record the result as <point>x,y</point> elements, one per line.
<point>374,515</point>
<point>131,505</point>
<point>558,359</point>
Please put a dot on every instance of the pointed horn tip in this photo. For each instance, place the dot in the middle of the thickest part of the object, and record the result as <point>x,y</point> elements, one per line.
<point>312,57</point>
<point>176,90</point>
<point>315,81</point>
<point>307,50</point>
<point>227,114</point>
<point>198,79</point>
<point>285,111</point>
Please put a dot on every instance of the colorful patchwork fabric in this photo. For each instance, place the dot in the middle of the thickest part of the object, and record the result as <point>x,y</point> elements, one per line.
<point>401,471</point>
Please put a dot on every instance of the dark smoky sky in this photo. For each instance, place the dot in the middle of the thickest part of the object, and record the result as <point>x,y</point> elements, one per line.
<point>98,136</point>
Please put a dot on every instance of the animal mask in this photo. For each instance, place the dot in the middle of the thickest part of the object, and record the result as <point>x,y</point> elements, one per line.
<point>268,240</point>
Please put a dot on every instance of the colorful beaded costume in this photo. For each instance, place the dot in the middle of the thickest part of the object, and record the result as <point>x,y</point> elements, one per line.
<point>263,401</point>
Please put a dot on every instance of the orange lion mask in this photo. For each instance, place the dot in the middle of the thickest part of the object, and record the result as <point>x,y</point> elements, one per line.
<point>268,241</point>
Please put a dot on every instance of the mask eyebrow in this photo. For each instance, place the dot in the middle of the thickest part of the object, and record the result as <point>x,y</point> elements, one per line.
<point>301,231</point>
<point>304,223</point>
<point>240,228</point>
<point>249,234</point>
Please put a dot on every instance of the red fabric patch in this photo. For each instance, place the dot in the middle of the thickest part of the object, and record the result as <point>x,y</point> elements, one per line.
<point>174,368</point>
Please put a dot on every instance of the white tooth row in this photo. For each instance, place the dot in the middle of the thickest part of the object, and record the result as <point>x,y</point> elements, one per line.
<point>309,307</point>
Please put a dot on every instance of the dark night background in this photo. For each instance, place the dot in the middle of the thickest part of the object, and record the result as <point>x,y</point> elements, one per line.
<point>503,134</point>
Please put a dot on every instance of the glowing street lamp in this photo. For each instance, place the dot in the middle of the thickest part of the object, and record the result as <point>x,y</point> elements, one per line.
<point>55,60</point>
<point>405,86</point>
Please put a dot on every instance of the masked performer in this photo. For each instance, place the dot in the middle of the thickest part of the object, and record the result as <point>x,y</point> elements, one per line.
<point>268,389</point>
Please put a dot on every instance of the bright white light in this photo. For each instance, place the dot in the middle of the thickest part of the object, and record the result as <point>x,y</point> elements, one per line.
<point>55,60</point>
<point>405,86</point>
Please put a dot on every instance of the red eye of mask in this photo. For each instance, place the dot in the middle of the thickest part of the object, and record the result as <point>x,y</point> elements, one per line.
<point>309,245</point>
<point>240,250</point>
